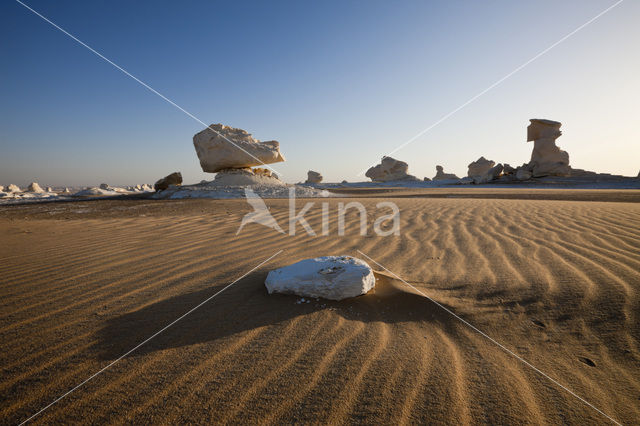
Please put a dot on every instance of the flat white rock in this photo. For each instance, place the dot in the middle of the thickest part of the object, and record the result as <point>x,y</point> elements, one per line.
<point>329,277</point>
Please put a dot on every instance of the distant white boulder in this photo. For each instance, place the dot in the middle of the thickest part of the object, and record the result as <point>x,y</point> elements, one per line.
<point>49,189</point>
<point>329,277</point>
<point>390,170</point>
<point>313,177</point>
<point>34,187</point>
<point>221,147</point>
<point>13,188</point>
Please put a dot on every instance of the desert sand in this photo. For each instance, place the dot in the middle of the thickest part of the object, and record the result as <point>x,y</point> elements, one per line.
<point>553,275</point>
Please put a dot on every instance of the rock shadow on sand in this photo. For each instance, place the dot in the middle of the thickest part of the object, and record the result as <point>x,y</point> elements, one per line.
<point>246,306</point>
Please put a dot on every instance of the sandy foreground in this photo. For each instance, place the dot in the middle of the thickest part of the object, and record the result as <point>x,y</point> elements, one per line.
<point>553,275</point>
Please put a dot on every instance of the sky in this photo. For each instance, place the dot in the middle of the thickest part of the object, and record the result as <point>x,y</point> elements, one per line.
<point>338,84</point>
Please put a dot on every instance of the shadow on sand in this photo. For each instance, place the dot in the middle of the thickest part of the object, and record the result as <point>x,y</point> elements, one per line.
<point>246,306</point>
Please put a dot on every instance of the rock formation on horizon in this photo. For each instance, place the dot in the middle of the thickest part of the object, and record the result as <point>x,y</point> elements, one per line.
<point>216,152</point>
<point>174,178</point>
<point>546,158</point>
<point>231,153</point>
<point>390,170</point>
<point>480,167</point>
<point>441,175</point>
<point>34,187</point>
<point>313,177</point>
<point>13,188</point>
<point>508,170</point>
<point>484,171</point>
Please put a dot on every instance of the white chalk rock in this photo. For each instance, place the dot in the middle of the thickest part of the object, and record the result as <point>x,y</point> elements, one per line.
<point>13,188</point>
<point>491,174</point>
<point>216,152</point>
<point>390,170</point>
<point>441,175</point>
<point>1,188</point>
<point>329,277</point>
<point>480,167</point>
<point>313,177</point>
<point>546,158</point>
<point>34,187</point>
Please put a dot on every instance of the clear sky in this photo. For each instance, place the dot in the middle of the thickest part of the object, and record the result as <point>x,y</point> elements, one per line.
<point>339,84</point>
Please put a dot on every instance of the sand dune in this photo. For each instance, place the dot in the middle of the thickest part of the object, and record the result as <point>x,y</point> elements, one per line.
<point>555,281</point>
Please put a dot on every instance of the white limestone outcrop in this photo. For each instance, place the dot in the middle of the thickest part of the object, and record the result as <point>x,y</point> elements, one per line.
<point>221,147</point>
<point>480,167</point>
<point>441,175</point>
<point>34,187</point>
<point>546,158</point>
<point>390,170</point>
<point>329,277</point>
<point>313,177</point>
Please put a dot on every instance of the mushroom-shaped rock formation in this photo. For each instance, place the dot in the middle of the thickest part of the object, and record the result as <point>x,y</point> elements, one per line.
<point>441,175</point>
<point>174,178</point>
<point>390,170</point>
<point>329,277</point>
<point>547,159</point>
<point>221,147</point>
<point>34,187</point>
<point>313,177</point>
<point>480,167</point>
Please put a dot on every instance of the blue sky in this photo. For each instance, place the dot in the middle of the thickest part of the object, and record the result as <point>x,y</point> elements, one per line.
<point>339,84</point>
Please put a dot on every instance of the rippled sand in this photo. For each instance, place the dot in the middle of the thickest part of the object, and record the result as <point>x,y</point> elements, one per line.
<point>555,281</point>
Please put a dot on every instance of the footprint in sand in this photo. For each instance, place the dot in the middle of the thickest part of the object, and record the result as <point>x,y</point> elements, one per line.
<point>539,323</point>
<point>587,361</point>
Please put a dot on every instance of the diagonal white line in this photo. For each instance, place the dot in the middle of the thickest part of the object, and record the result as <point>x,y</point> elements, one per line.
<point>149,338</point>
<point>145,85</point>
<point>501,346</point>
<point>446,116</point>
